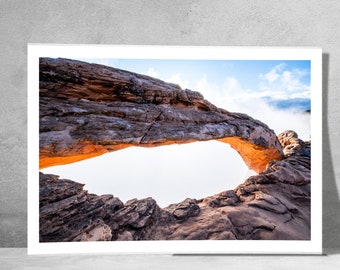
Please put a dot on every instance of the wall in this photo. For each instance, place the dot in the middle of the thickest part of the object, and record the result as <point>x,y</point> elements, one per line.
<point>158,22</point>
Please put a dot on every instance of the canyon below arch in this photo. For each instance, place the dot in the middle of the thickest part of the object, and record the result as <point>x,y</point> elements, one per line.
<point>87,110</point>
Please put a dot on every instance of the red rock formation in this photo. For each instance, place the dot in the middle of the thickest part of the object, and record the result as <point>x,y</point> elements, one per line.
<point>87,110</point>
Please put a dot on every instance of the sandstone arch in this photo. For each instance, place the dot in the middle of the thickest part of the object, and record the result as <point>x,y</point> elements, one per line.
<point>87,110</point>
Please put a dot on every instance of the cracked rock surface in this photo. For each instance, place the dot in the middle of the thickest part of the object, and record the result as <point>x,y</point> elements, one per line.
<point>87,110</point>
<point>273,205</point>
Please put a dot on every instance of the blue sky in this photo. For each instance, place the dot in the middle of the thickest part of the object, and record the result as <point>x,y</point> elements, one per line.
<point>279,79</point>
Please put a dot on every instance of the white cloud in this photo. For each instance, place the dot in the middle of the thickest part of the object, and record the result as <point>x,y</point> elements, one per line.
<point>283,83</point>
<point>302,94</point>
<point>217,94</point>
<point>273,74</point>
<point>232,86</point>
<point>177,79</point>
<point>209,91</point>
<point>232,97</point>
<point>153,73</point>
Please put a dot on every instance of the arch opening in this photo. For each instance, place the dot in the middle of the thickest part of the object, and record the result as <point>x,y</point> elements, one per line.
<point>169,173</point>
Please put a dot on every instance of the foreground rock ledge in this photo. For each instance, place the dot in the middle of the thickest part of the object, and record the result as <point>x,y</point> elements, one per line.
<point>87,110</point>
<point>274,205</point>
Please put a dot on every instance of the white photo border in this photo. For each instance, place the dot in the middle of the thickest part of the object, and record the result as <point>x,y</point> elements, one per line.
<point>312,246</point>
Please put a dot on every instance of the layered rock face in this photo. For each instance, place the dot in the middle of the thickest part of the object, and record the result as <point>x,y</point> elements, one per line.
<point>87,110</point>
<point>273,205</point>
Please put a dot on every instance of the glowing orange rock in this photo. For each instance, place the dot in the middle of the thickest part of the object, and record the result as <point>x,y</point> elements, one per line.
<point>87,110</point>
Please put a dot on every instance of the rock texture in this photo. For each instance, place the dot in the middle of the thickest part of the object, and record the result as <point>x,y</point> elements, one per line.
<point>87,110</point>
<point>272,205</point>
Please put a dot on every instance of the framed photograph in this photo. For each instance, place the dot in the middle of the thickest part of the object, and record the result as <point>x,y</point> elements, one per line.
<point>174,149</point>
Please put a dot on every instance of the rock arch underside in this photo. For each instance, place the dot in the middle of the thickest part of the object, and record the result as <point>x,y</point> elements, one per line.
<point>86,110</point>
